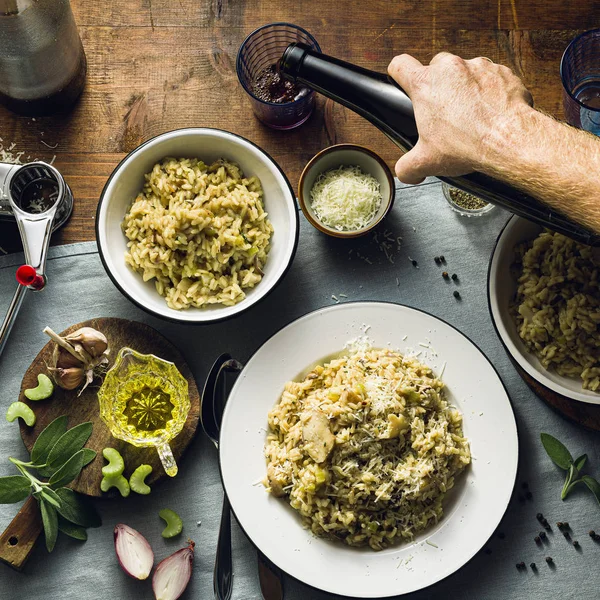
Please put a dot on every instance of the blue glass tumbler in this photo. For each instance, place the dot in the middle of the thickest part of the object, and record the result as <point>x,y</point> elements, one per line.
<point>580,74</point>
<point>262,49</point>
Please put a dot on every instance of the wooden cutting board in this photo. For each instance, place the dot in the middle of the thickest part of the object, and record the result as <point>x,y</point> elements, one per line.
<point>19,538</point>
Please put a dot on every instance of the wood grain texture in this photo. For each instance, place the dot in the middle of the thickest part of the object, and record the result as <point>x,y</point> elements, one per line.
<point>19,538</point>
<point>157,65</point>
<point>80,409</point>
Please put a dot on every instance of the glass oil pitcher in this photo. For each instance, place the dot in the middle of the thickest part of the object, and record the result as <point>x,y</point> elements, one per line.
<point>144,401</point>
<point>42,62</point>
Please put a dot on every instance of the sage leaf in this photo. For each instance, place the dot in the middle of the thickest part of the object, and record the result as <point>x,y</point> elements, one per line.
<point>557,452</point>
<point>88,456</point>
<point>69,471</point>
<point>77,509</point>
<point>50,496</point>
<point>74,531</point>
<point>50,523</point>
<point>68,444</point>
<point>46,440</point>
<point>593,486</point>
<point>573,473</point>
<point>14,488</point>
<point>580,462</point>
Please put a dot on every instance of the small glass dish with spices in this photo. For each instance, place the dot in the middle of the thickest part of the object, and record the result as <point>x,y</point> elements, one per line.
<point>465,204</point>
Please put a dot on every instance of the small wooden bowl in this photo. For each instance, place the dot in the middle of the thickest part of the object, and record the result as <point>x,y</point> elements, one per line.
<point>346,155</point>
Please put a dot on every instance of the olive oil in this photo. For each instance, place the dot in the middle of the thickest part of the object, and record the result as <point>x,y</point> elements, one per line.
<point>144,401</point>
<point>148,410</point>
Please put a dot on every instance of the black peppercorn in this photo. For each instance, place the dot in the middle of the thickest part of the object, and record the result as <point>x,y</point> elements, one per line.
<point>437,260</point>
<point>559,525</point>
<point>539,517</point>
<point>414,263</point>
<point>454,276</point>
<point>442,258</point>
<point>549,560</point>
<point>566,525</point>
<point>533,566</point>
<point>596,537</point>
<point>576,543</point>
<point>537,539</point>
<point>592,533</point>
<point>445,274</point>
<point>543,535</point>
<point>456,294</point>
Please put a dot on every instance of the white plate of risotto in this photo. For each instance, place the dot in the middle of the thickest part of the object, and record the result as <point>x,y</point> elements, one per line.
<point>544,297</point>
<point>369,449</point>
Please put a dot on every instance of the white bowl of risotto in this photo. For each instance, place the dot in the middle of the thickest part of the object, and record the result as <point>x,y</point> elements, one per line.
<point>545,305</point>
<point>197,225</point>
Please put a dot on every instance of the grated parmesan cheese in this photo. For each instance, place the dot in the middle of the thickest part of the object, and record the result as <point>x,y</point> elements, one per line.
<point>345,199</point>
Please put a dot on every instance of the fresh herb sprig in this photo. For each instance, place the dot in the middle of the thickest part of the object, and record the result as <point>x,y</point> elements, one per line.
<point>58,455</point>
<point>562,458</point>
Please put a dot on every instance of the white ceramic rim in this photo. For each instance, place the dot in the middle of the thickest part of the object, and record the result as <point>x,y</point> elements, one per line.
<point>275,529</point>
<point>198,315</point>
<point>517,350</point>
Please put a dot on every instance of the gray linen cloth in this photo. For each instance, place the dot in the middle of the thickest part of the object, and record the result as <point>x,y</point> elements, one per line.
<point>353,270</point>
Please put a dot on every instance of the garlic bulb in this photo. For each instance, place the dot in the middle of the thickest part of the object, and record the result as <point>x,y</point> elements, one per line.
<point>68,379</point>
<point>89,340</point>
<point>77,356</point>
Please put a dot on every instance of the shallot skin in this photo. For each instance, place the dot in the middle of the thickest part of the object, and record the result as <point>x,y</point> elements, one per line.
<point>173,574</point>
<point>133,552</point>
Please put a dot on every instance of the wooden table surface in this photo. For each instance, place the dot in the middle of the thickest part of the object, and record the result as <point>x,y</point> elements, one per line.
<point>157,65</point>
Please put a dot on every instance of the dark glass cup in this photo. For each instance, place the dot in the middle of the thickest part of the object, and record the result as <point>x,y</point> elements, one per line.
<point>580,74</point>
<point>262,49</point>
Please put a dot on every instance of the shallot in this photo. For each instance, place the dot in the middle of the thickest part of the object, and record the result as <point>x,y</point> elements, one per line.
<point>173,574</point>
<point>133,552</point>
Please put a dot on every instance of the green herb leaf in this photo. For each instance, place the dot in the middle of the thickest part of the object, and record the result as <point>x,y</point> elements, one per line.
<point>88,456</point>
<point>593,486</point>
<point>68,444</point>
<point>46,440</point>
<point>74,531</point>
<point>77,509</point>
<point>572,475</point>
<point>50,496</point>
<point>558,453</point>
<point>50,523</point>
<point>572,485</point>
<point>14,488</point>
<point>580,462</point>
<point>69,471</point>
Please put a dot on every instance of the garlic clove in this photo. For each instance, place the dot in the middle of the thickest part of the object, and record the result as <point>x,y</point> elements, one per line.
<point>133,552</point>
<point>173,574</point>
<point>65,360</point>
<point>68,379</point>
<point>92,341</point>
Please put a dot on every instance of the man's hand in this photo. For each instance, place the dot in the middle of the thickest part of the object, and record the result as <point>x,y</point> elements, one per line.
<point>463,109</point>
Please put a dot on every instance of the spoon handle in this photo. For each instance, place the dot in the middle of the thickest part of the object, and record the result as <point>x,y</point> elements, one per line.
<point>223,575</point>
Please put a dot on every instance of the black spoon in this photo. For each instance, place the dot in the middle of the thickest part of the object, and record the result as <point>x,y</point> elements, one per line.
<point>214,397</point>
<point>211,413</point>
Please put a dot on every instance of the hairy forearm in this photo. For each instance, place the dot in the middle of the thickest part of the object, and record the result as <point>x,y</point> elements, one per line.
<point>551,161</point>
